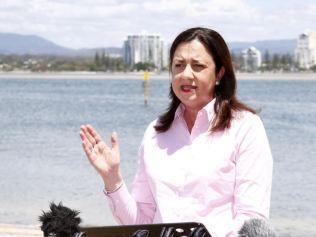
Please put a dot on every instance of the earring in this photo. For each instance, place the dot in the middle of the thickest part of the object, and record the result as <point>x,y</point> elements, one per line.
<point>217,83</point>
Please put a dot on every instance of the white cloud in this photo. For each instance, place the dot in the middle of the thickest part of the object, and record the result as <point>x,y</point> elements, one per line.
<point>166,6</point>
<point>86,23</point>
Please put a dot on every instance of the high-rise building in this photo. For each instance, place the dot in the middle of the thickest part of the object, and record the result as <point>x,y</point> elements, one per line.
<point>305,53</point>
<point>251,59</point>
<point>143,48</point>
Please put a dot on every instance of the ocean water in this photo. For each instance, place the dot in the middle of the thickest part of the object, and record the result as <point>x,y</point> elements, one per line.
<point>41,158</point>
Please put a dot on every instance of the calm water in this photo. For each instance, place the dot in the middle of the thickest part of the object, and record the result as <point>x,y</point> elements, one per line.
<point>41,158</point>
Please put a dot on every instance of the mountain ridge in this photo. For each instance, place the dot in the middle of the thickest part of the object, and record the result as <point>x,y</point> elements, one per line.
<point>12,43</point>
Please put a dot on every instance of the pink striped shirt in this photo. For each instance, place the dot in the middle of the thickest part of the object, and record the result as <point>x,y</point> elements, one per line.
<point>219,179</point>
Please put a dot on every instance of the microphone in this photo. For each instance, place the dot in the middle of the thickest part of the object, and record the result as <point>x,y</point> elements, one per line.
<point>60,221</point>
<point>256,228</point>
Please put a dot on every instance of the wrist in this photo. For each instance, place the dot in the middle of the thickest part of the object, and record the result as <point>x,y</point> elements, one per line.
<point>113,189</point>
<point>112,182</point>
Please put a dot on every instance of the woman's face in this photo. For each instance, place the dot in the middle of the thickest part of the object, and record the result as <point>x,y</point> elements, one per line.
<point>193,74</point>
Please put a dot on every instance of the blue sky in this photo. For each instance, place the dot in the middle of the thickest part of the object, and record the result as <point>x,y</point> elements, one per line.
<point>103,23</point>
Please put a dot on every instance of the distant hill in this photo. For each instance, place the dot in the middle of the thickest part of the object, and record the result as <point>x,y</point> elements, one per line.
<point>273,46</point>
<point>29,44</point>
<point>35,45</point>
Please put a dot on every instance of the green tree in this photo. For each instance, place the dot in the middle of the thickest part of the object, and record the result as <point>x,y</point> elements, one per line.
<point>140,66</point>
<point>266,57</point>
<point>276,61</point>
<point>97,60</point>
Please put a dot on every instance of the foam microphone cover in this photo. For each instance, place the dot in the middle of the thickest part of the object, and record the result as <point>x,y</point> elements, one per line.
<point>60,221</point>
<point>256,228</point>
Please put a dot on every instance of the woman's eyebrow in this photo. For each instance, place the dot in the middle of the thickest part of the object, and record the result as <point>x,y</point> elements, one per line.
<point>178,59</point>
<point>197,60</point>
<point>193,60</point>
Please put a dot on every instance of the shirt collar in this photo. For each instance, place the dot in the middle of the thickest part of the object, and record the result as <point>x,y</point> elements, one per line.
<point>208,109</point>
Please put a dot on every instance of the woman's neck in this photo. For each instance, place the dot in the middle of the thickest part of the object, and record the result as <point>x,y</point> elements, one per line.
<point>190,117</point>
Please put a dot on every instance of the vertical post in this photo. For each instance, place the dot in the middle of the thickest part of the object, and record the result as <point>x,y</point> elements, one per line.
<point>145,85</point>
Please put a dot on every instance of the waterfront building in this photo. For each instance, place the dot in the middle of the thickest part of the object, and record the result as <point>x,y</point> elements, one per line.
<point>143,49</point>
<point>251,59</point>
<point>305,53</point>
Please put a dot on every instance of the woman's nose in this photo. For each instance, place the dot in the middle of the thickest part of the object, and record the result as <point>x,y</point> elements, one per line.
<point>187,72</point>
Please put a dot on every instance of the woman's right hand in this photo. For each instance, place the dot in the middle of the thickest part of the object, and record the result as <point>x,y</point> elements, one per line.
<point>104,159</point>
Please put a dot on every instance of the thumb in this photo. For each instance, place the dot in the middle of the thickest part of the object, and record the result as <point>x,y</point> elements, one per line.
<point>114,141</point>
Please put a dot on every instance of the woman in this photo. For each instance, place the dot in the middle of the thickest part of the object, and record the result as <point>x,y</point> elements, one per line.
<point>207,159</point>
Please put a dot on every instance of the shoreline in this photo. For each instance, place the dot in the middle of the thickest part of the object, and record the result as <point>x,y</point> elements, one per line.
<point>19,230</point>
<point>139,75</point>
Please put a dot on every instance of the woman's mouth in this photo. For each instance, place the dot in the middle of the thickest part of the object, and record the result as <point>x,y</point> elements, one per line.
<point>188,88</point>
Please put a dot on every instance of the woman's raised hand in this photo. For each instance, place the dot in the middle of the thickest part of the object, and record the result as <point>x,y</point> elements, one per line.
<point>104,159</point>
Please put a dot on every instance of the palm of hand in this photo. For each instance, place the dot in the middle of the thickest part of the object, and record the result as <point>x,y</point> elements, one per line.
<point>104,159</point>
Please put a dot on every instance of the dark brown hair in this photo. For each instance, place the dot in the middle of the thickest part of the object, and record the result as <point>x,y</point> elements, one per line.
<point>225,93</point>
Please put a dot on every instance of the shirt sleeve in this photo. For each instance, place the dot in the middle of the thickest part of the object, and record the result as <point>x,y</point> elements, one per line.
<point>253,174</point>
<point>137,207</point>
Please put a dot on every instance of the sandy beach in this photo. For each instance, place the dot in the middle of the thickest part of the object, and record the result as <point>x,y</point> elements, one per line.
<point>10,230</point>
<point>139,75</point>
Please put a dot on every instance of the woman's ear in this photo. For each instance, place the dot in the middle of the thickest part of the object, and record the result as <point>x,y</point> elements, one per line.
<point>220,74</point>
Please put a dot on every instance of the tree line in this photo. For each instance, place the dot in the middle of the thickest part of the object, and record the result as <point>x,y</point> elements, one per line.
<point>102,62</point>
<point>269,62</point>
<point>42,63</point>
